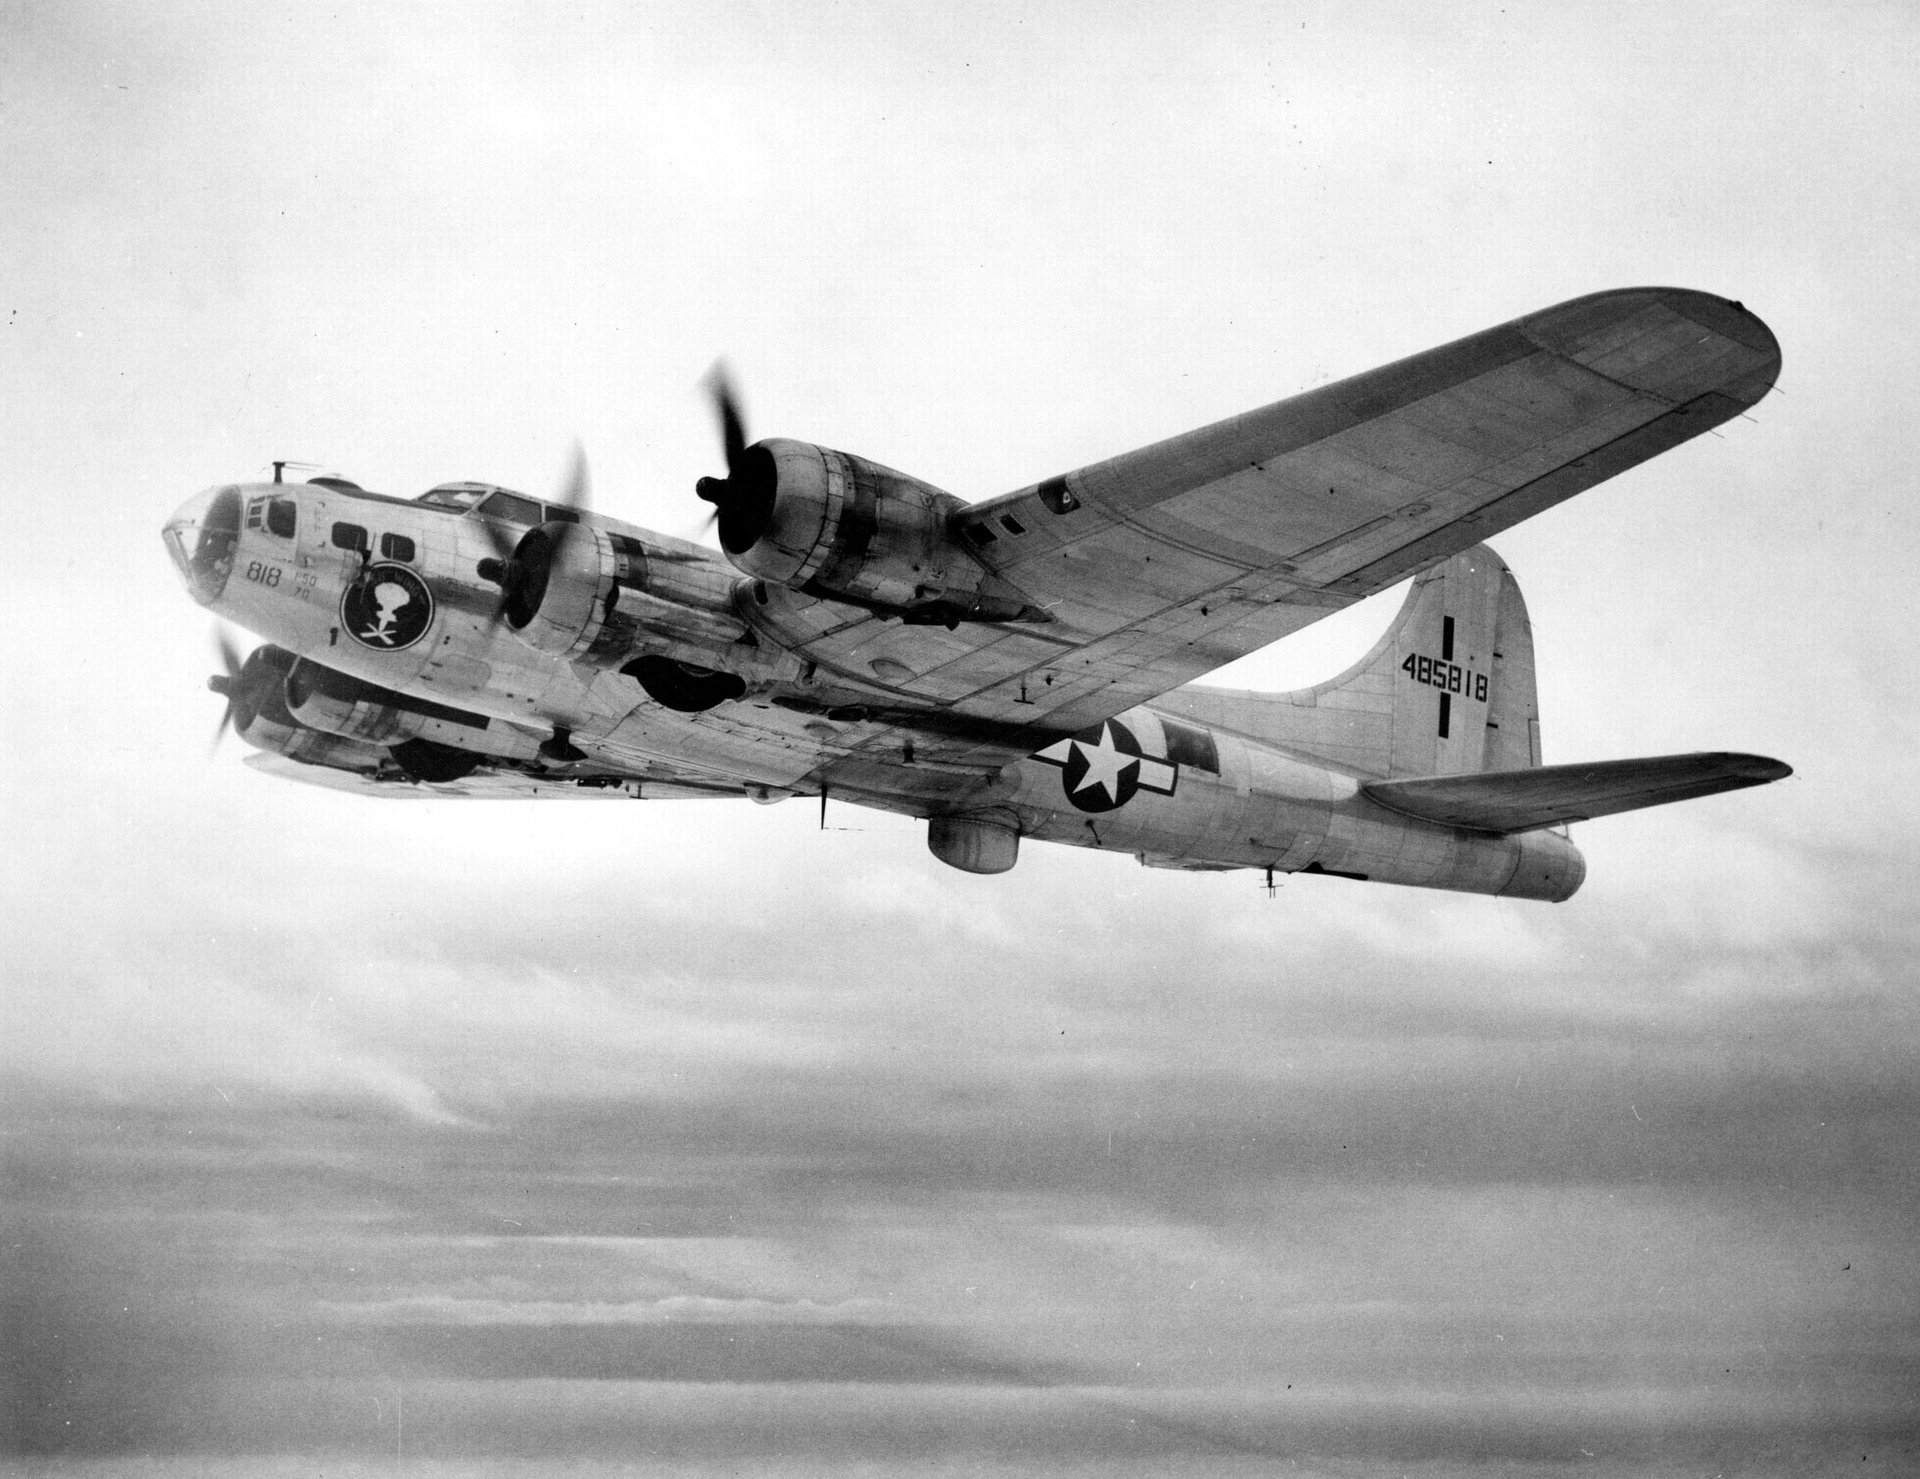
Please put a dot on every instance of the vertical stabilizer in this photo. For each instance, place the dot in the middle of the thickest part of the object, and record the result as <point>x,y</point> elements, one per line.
<point>1448,690</point>
<point>1460,662</point>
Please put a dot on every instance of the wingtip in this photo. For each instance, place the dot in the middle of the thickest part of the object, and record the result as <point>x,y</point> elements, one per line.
<point>1756,770</point>
<point>1562,325</point>
<point>1732,319</point>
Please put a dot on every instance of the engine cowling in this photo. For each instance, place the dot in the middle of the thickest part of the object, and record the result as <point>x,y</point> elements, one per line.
<point>588,595</point>
<point>257,696</point>
<point>309,713</point>
<point>334,703</point>
<point>835,525</point>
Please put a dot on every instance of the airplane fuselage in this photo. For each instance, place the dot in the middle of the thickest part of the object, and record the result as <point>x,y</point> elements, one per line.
<point>384,590</point>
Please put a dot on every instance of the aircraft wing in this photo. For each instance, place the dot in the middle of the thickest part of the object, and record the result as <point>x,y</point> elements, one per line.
<point>1504,801</point>
<point>1165,563</point>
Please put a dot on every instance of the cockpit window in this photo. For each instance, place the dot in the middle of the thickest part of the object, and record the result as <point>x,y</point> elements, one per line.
<point>513,507</point>
<point>462,496</point>
<point>282,517</point>
<point>493,501</point>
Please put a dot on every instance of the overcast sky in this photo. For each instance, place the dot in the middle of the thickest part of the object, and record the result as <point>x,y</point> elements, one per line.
<point>689,1133</point>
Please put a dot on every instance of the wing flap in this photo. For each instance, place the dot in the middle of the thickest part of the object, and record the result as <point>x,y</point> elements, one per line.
<point>1506,801</point>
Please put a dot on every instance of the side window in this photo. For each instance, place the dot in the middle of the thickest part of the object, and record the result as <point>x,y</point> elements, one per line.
<point>350,536</point>
<point>1192,747</point>
<point>256,510</point>
<point>282,517</point>
<point>396,547</point>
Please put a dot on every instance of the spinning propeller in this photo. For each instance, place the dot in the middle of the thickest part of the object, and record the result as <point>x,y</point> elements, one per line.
<point>742,500</point>
<point>520,563</point>
<point>227,683</point>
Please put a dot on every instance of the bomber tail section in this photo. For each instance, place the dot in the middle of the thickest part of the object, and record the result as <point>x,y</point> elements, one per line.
<point>1449,689</point>
<point>1441,720</point>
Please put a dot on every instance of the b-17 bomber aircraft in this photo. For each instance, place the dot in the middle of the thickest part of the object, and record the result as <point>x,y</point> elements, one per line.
<point>1018,668</point>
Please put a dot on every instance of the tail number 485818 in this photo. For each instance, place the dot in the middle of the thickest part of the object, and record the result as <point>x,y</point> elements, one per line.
<point>1448,677</point>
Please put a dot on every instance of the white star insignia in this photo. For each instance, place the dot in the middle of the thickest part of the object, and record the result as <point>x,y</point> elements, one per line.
<point>1107,768</point>
<point>1105,763</point>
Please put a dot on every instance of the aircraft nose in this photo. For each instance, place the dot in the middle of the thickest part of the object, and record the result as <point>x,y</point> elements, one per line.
<point>193,513</point>
<point>201,537</point>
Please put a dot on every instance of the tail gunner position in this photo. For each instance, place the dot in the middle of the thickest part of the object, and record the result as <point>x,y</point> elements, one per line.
<point>1020,667</point>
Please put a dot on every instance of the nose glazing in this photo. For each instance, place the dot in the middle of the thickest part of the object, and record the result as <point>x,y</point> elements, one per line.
<point>201,537</point>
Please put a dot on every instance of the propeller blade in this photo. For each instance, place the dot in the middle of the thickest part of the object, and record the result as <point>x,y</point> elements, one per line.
<point>502,537</point>
<point>520,576</point>
<point>226,683</point>
<point>576,493</point>
<point>230,659</point>
<point>733,437</point>
<point>499,566</point>
<point>576,490</point>
<point>733,428</point>
<point>743,500</point>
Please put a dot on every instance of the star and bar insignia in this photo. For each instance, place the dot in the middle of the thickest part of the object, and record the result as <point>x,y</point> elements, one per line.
<point>1103,767</point>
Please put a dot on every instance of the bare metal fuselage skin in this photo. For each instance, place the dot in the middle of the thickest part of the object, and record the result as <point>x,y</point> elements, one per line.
<point>302,556</point>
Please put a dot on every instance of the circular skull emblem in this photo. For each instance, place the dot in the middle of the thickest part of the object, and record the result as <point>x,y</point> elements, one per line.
<point>387,608</point>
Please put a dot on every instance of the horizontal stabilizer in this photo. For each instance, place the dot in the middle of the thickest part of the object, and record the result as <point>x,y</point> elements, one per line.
<point>1504,801</point>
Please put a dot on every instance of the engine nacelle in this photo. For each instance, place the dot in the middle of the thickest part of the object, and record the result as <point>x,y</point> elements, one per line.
<point>834,525</point>
<point>297,708</point>
<point>334,703</point>
<point>258,706</point>
<point>591,596</point>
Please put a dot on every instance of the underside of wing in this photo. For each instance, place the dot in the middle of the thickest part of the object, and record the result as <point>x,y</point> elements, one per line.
<point>1160,565</point>
<point>1524,800</point>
